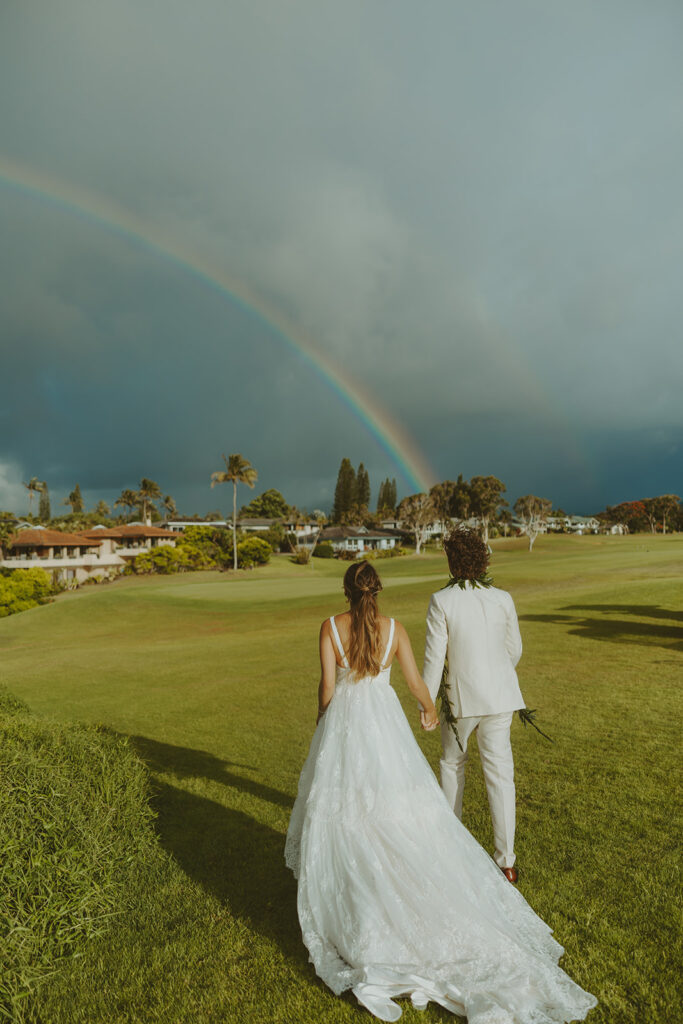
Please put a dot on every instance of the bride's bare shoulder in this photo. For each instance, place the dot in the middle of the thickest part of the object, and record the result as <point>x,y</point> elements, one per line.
<point>340,619</point>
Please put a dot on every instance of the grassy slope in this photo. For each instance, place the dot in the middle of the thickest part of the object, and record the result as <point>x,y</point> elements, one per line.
<point>214,677</point>
<point>75,829</point>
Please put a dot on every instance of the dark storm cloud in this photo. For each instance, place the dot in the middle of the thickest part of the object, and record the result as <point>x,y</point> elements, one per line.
<point>474,208</point>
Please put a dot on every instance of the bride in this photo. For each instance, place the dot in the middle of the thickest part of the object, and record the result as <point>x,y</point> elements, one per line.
<point>395,897</point>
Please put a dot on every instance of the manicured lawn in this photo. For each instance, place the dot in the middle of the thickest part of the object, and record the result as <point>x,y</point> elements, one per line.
<point>214,679</point>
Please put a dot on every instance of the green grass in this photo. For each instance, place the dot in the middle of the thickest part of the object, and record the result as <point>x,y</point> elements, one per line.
<point>75,821</point>
<point>214,678</point>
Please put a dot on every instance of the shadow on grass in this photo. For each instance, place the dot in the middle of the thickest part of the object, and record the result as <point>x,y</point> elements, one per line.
<point>621,630</point>
<point>643,611</point>
<point>235,858</point>
<point>187,763</point>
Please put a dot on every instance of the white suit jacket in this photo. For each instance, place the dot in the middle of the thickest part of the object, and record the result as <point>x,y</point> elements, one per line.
<point>477,628</point>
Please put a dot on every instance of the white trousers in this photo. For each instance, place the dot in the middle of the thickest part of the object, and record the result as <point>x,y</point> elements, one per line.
<point>493,735</point>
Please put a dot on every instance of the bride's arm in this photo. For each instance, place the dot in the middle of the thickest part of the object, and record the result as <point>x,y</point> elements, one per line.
<point>416,684</point>
<point>328,665</point>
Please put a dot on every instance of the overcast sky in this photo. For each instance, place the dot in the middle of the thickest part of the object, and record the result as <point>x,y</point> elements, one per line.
<point>474,207</point>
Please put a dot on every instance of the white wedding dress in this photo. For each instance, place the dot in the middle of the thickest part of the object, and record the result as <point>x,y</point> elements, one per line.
<point>395,897</point>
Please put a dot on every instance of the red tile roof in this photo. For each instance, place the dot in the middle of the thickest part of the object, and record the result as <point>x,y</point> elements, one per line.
<point>138,530</point>
<point>104,532</point>
<point>51,539</point>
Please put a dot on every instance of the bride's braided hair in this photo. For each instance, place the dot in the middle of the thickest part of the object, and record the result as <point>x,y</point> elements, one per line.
<point>361,586</point>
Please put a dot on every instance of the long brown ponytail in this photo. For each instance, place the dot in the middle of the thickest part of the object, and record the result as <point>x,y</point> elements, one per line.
<point>361,586</point>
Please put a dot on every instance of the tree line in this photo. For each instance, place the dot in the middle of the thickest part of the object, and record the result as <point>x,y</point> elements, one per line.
<point>654,514</point>
<point>148,501</point>
<point>480,498</point>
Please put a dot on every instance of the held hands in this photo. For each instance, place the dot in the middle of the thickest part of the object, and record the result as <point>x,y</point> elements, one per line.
<point>429,719</point>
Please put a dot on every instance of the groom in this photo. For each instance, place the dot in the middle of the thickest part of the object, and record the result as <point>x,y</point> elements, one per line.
<point>475,625</point>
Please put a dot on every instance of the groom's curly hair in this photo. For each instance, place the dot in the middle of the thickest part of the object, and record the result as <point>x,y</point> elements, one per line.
<point>468,556</point>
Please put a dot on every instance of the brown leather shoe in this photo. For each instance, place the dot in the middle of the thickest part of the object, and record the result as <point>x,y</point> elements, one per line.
<point>510,874</point>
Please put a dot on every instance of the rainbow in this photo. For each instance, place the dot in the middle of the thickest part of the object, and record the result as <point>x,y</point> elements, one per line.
<point>394,440</point>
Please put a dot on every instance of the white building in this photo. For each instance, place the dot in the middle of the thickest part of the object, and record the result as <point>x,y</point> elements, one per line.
<point>358,539</point>
<point>180,525</point>
<point>584,524</point>
<point>101,551</point>
<point>249,524</point>
<point>303,529</point>
<point>437,528</point>
<point>256,524</point>
<point>572,524</point>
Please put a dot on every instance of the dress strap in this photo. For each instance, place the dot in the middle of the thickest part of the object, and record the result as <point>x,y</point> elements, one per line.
<point>389,643</point>
<point>335,633</point>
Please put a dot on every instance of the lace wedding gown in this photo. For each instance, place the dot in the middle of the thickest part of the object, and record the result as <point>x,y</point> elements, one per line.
<point>395,897</point>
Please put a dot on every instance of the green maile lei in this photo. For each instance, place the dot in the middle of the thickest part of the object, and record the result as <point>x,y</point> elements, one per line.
<point>526,715</point>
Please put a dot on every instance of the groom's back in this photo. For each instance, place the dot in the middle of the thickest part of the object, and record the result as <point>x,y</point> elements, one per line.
<point>477,628</point>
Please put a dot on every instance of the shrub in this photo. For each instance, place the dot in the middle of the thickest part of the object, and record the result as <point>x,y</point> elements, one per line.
<point>211,540</point>
<point>75,828</point>
<point>194,556</point>
<point>324,550</point>
<point>93,578</point>
<point>390,552</point>
<point>167,560</point>
<point>200,536</point>
<point>144,564</point>
<point>215,543</point>
<point>347,556</point>
<point>23,589</point>
<point>301,556</point>
<point>275,537</point>
<point>253,551</point>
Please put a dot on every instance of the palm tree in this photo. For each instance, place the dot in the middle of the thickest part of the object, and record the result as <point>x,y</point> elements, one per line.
<point>127,499</point>
<point>237,471</point>
<point>170,507</point>
<point>148,493</point>
<point>34,486</point>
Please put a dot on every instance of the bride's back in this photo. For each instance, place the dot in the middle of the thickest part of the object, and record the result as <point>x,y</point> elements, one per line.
<point>343,623</point>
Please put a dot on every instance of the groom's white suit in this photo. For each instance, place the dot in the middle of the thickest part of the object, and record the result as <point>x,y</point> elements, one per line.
<point>477,628</point>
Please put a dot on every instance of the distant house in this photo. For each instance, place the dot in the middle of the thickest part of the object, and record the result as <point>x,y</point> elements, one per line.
<point>250,524</point>
<point>616,529</point>
<point>392,524</point>
<point>302,529</point>
<point>437,528</point>
<point>571,524</point>
<point>256,524</point>
<point>358,539</point>
<point>77,556</point>
<point>583,524</point>
<point>180,525</point>
<point>130,540</point>
<point>69,555</point>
